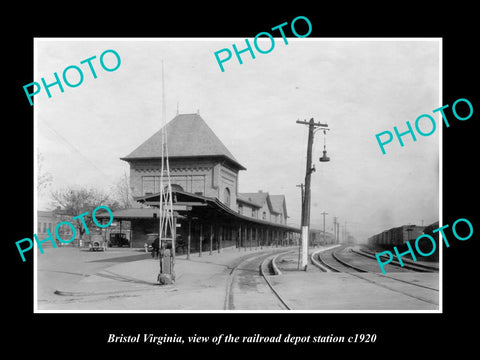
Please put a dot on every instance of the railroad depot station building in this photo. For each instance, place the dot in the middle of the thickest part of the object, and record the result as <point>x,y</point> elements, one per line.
<point>209,210</point>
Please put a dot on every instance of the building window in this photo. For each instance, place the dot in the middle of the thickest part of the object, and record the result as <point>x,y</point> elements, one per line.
<point>254,213</point>
<point>148,185</point>
<point>175,187</point>
<point>151,185</point>
<point>226,197</point>
<point>264,215</point>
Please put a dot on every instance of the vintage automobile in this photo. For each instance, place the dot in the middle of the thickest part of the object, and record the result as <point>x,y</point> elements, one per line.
<point>153,244</point>
<point>118,239</point>
<point>97,243</point>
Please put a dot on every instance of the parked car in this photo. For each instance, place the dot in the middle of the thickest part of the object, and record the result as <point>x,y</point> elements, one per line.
<point>97,243</point>
<point>153,244</point>
<point>150,239</point>
<point>118,239</point>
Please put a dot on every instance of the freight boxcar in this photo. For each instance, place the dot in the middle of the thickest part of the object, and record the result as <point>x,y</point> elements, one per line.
<point>397,236</point>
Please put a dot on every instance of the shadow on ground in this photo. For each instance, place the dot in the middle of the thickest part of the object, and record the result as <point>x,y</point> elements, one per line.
<point>126,258</point>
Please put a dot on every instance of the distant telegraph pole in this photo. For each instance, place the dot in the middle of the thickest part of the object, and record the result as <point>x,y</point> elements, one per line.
<point>346,233</point>
<point>338,233</point>
<point>334,229</point>
<point>312,125</point>
<point>324,213</point>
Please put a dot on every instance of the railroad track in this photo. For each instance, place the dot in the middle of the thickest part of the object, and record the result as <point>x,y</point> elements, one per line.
<point>334,262</point>
<point>331,261</point>
<point>407,263</point>
<point>262,264</point>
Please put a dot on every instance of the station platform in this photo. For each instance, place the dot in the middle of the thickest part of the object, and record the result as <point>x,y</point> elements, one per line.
<point>201,284</point>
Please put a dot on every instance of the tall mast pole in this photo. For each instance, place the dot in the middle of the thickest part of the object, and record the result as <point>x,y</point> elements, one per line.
<point>166,222</point>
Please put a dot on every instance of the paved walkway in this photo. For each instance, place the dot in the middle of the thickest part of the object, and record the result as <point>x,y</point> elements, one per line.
<point>201,284</point>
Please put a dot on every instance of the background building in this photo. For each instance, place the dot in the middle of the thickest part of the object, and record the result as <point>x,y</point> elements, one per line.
<point>50,220</point>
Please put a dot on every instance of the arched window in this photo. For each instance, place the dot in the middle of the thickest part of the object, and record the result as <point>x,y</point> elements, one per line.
<point>226,196</point>
<point>175,187</point>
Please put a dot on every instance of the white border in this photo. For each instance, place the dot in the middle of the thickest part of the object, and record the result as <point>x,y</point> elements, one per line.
<point>284,312</point>
<point>35,179</point>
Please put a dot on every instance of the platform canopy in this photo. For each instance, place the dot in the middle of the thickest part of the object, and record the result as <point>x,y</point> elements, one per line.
<point>210,210</point>
<point>135,213</point>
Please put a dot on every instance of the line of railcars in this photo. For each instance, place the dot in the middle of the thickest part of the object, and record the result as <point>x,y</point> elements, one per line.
<point>398,236</point>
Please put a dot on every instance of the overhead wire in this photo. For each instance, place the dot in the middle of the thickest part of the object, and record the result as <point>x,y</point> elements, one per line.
<point>76,150</point>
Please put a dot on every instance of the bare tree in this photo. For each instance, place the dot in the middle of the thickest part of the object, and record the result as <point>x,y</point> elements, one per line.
<point>76,202</point>
<point>122,193</point>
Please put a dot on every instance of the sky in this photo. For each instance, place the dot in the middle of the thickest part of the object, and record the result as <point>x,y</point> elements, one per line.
<point>359,87</point>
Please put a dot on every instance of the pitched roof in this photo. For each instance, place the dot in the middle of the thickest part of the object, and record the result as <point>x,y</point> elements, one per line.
<point>247,200</point>
<point>256,198</point>
<point>188,136</point>
<point>278,203</point>
<point>275,202</point>
<point>131,213</point>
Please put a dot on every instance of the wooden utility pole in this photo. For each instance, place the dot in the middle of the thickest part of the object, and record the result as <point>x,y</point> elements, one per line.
<point>211,239</point>
<point>306,201</point>
<point>189,238</point>
<point>302,192</point>
<point>201,241</point>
